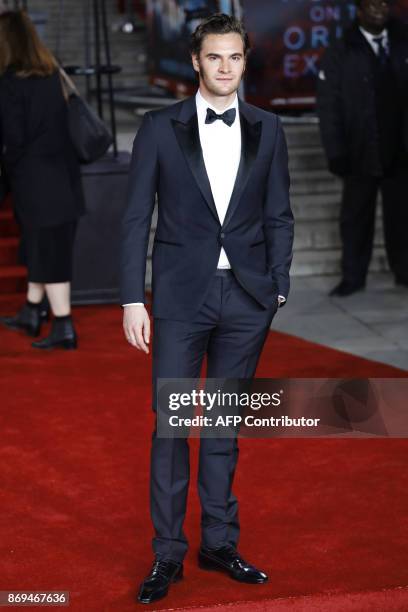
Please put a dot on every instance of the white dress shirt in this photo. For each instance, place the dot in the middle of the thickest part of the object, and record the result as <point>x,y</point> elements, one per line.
<point>370,39</point>
<point>221,147</point>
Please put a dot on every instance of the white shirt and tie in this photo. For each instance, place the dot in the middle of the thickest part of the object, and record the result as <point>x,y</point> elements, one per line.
<point>221,147</point>
<point>373,39</point>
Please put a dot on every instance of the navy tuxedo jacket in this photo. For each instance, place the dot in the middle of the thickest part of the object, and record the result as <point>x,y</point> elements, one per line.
<point>257,233</point>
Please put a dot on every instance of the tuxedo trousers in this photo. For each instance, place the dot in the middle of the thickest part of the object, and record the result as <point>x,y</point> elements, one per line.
<point>230,330</point>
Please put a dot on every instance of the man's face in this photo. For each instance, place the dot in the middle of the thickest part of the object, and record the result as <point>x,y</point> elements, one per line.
<point>374,14</point>
<point>221,63</point>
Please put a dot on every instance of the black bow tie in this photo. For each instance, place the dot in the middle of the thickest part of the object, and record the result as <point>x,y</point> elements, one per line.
<point>228,117</point>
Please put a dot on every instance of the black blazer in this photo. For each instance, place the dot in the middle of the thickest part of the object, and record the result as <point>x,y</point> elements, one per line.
<point>257,232</point>
<point>346,101</point>
<point>37,152</point>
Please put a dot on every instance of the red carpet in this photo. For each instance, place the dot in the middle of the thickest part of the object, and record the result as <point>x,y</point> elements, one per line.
<point>327,519</point>
<point>12,277</point>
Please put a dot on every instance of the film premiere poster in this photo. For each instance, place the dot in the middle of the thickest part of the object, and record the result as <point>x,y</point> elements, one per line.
<point>288,38</point>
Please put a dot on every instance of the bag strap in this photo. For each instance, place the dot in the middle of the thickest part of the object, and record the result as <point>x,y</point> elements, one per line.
<point>68,85</point>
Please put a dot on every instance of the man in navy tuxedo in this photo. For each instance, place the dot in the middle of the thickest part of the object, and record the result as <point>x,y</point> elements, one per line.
<point>221,259</point>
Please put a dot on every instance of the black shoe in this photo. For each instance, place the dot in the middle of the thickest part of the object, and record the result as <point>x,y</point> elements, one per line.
<point>157,583</point>
<point>227,559</point>
<point>62,335</point>
<point>345,288</point>
<point>29,318</point>
<point>401,281</point>
<point>45,309</point>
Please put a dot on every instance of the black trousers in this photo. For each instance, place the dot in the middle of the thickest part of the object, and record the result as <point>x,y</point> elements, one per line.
<point>230,329</point>
<point>357,224</point>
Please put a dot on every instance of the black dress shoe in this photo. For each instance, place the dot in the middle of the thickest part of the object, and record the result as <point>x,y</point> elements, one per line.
<point>62,335</point>
<point>228,560</point>
<point>156,585</point>
<point>345,288</point>
<point>29,318</point>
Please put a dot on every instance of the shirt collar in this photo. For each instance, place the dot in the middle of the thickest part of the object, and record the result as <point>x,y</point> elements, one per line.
<point>202,106</point>
<point>370,37</point>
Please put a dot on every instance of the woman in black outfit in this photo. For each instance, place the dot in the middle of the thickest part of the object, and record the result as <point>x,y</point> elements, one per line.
<point>44,176</point>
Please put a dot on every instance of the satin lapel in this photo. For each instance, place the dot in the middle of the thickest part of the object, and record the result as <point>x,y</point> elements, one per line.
<point>188,137</point>
<point>250,137</point>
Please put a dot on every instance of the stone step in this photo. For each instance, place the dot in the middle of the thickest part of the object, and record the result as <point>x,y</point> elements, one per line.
<point>313,176</point>
<point>304,158</point>
<point>302,135</point>
<point>314,181</point>
<point>318,234</point>
<point>313,199</point>
<point>316,206</point>
<point>328,210</point>
<point>309,185</point>
<point>327,261</point>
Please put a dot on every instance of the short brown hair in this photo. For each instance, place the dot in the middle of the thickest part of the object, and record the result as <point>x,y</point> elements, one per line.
<point>219,23</point>
<point>21,48</point>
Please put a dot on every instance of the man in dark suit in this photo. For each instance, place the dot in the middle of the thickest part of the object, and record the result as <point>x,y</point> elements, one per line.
<point>221,260</point>
<point>363,111</point>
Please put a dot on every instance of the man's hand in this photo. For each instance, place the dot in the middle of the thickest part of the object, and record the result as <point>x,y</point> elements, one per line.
<point>136,325</point>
